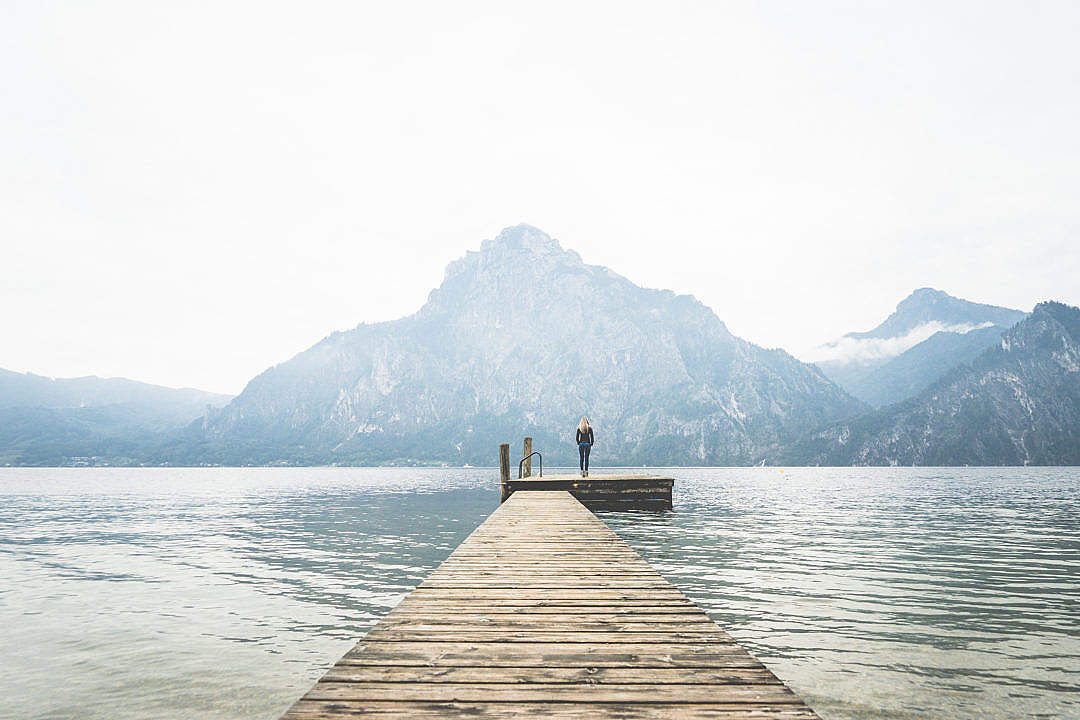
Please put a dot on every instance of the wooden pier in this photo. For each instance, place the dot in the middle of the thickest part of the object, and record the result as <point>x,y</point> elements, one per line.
<point>544,612</point>
<point>604,492</point>
<point>596,492</point>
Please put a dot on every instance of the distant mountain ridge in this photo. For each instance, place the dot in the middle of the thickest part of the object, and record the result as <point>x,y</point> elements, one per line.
<point>1017,403</point>
<point>927,305</point>
<point>522,337</point>
<point>928,334</point>
<point>51,420</point>
<point>28,389</point>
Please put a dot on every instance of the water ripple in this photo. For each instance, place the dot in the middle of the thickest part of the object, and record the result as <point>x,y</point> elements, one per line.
<point>888,593</point>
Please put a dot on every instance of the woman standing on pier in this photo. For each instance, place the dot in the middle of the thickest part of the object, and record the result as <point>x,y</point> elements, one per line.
<point>584,444</point>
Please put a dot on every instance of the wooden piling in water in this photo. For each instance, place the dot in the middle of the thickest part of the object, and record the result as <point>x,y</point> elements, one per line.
<point>544,612</point>
<point>504,472</point>
<point>527,454</point>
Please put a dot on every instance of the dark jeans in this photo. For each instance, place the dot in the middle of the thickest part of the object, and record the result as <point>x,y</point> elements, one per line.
<point>583,451</point>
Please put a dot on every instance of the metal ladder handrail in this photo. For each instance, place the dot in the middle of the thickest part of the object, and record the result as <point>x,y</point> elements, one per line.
<point>521,464</point>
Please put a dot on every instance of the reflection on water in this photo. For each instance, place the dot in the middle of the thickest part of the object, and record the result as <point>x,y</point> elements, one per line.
<point>224,593</point>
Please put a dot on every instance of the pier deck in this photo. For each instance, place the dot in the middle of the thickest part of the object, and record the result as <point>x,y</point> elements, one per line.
<point>604,492</point>
<point>544,612</point>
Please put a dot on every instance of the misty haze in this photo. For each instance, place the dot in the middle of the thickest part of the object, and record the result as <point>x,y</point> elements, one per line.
<point>570,361</point>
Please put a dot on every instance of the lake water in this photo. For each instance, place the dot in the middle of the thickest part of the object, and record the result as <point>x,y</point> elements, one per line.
<point>224,593</point>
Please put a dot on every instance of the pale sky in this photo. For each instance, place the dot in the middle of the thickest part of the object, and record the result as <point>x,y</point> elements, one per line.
<point>192,192</point>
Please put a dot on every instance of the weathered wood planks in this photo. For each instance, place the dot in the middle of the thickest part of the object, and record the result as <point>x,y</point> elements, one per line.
<point>544,612</point>
<point>603,492</point>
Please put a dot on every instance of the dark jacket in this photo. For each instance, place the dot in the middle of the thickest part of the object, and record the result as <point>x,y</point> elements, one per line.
<point>586,437</point>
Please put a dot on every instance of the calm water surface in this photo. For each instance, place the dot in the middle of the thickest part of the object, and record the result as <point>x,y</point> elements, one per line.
<point>224,593</point>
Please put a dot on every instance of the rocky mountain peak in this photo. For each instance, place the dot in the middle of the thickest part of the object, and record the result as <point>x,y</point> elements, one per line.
<point>1066,316</point>
<point>923,298</point>
<point>1016,403</point>
<point>522,238</point>
<point>926,294</point>
<point>929,333</point>
<point>928,305</point>
<point>522,337</point>
<point>521,254</point>
<point>1052,326</point>
<point>523,278</point>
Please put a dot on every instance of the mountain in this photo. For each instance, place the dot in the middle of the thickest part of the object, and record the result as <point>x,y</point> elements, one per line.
<point>522,338</point>
<point>930,333</point>
<point>1017,403</point>
<point>49,421</point>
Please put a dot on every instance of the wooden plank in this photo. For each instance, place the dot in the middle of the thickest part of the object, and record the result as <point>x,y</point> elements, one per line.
<point>548,654</point>
<point>541,636</point>
<point>659,604</point>
<point>510,624</point>
<point>545,567</point>
<point>640,594</point>
<point>546,619</point>
<point>546,692</point>
<point>544,612</point>
<point>662,603</point>
<point>623,675</point>
<point>541,584</point>
<point>543,578</point>
<point>542,607</point>
<point>328,710</point>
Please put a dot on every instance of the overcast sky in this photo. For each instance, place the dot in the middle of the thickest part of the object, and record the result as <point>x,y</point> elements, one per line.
<point>192,192</point>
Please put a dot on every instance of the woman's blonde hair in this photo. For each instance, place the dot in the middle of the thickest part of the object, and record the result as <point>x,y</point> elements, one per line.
<point>583,426</point>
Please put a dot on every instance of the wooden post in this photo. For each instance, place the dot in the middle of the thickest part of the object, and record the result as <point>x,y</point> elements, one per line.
<point>527,454</point>
<point>504,472</point>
